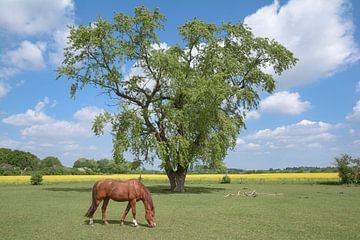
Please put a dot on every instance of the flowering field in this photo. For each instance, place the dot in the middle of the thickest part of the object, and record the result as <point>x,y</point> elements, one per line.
<point>189,177</point>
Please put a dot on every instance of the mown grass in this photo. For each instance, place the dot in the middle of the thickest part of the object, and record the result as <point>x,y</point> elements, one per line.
<point>303,211</point>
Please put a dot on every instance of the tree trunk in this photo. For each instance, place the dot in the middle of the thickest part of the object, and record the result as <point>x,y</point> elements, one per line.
<point>177,178</point>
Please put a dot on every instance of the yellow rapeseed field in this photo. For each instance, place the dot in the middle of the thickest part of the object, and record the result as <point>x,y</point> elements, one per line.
<point>189,177</point>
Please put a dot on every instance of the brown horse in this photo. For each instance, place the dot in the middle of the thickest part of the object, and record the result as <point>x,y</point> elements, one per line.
<point>130,190</point>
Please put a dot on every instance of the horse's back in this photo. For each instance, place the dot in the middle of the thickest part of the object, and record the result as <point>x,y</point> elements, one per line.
<point>118,190</point>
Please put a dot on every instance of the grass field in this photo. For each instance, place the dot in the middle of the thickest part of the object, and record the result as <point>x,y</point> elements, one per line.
<point>302,211</point>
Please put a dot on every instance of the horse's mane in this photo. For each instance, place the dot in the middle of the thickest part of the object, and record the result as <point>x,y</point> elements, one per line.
<point>147,196</point>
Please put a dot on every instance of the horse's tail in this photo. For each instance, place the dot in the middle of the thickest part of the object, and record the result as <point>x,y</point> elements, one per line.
<point>93,206</point>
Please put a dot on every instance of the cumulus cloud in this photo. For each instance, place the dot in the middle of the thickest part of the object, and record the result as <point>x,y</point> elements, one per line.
<point>302,134</point>
<point>87,114</point>
<point>355,115</point>
<point>37,124</point>
<point>27,56</point>
<point>4,89</point>
<point>39,19</point>
<point>253,115</point>
<point>60,40</point>
<point>319,33</point>
<point>35,17</point>
<point>285,103</point>
<point>31,116</point>
<point>242,145</point>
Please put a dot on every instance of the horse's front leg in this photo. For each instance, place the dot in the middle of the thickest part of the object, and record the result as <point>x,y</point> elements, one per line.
<point>125,213</point>
<point>133,209</point>
<point>103,210</point>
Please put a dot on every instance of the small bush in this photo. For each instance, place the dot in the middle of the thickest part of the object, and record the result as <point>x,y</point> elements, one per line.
<point>226,179</point>
<point>348,168</point>
<point>36,178</point>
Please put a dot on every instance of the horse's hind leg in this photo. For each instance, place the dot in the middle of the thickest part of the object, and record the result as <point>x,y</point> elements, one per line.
<point>103,210</point>
<point>125,213</point>
<point>92,211</point>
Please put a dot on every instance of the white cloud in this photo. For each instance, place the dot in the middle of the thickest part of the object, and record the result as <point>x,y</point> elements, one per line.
<point>355,115</point>
<point>9,143</point>
<point>284,103</point>
<point>358,87</point>
<point>87,114</point>
<point>302,134</point>
<point>242,145</point>
<point>31,116</point>
<point>56,129</point>
<point>319,33</point>
<point>27,56</point>
<point>37,124</point>
<point>36,16</point>
<point>58,45</point>
<point>7,72</point>
<point>4,89</point>
<point>253,115</point>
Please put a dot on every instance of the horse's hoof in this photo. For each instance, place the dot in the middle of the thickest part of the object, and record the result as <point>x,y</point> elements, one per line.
<point>105,223</point>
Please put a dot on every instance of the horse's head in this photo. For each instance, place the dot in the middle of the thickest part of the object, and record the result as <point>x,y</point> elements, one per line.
<point>150,217</point>
<point>149,207</point>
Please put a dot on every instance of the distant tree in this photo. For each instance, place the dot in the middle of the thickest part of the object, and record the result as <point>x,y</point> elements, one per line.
<point>185,103</point>
<point>86,163</point>
<point>4,154</point>
<point>24,160</point>
<point>348,168</point>
<point>50,161</point>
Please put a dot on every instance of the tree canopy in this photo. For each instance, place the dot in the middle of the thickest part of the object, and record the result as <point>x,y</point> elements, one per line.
<point>182,104</point>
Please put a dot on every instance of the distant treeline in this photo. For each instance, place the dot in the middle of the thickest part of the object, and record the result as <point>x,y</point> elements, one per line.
<point>287,170</point>
<point>16,162</point>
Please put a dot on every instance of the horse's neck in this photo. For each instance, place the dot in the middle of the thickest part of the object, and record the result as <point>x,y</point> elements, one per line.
<point>146,200</point>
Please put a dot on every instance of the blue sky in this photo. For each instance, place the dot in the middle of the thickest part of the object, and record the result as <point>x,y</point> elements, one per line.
<point>312,117</point>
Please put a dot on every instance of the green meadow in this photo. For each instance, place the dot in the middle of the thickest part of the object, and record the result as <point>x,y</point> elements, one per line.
<point>279,211</point>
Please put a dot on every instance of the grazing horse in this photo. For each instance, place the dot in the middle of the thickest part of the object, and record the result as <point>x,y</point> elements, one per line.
<point>130,190</point>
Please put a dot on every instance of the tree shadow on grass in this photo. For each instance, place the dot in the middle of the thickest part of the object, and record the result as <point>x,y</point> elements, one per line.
<point>329,183</point>
<point>154,189</point>
<point>67,189</point>
<point>114,222</point>
<point>164,189</point>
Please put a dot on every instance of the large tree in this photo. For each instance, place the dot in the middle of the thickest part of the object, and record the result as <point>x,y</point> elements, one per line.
<point>183,103</point>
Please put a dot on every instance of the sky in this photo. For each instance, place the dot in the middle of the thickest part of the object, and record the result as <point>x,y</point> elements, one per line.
<point>311,118</point>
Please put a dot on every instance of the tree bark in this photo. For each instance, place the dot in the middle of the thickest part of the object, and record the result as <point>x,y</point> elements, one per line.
<point>177,178</point>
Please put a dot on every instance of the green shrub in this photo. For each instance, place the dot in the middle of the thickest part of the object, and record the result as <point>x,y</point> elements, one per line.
<point>226,179</point>
<point>348,168</point>
<point>36,178</point>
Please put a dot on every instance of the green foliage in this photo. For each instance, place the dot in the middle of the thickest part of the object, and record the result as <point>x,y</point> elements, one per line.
<point>91,166</point>
<point>189,102</point>
<point>49,162</point>
<point>24,161</point>
<point>36,178</point>
<point>348,168</point>
<point>225,179</point>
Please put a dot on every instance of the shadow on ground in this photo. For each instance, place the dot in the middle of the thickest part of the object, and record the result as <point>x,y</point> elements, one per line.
<point>164,189</point>
<point>67,189</point>
<point>331,183</point>
<point>156,189</point>
<point>115,222</point>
